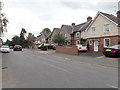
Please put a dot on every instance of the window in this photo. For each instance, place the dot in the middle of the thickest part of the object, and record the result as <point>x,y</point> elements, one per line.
<point>66,35</point>
<point>106,42</point>
<point>77,42</point>
<point>106,28</point>
<point>93,30</point>
<point>78,34</point>
<point>90,42</point>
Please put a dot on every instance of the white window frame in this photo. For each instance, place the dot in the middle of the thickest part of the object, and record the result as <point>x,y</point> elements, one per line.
<point>78,34</point>
<point>77,42</point>
<point>94,30</point>
<point>90,42</point>
<point>105,43</point>
<point>66,35</point>
<point>104,28</point>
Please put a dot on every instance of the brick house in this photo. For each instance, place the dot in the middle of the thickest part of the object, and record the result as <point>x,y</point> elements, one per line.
<point>78,31</point>
<point>103,31</point>
<point>54,32</point>
<point>65,31</point>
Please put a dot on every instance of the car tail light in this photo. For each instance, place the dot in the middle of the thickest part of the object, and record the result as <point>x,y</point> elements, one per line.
<point>114,50</point>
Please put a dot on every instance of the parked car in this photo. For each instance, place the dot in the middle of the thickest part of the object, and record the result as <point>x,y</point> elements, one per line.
<point>82,48</point>
<point>4,48</point>
<point>46,46</point>
<point>17,48</point>
<point>112,50</point>
<point>11,47</point>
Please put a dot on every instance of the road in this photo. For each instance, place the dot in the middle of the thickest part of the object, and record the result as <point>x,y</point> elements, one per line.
<point>34,69</point>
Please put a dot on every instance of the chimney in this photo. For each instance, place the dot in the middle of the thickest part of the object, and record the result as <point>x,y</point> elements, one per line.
<point>73,25</point>
<point>89,19</point>
<point>118,14</point>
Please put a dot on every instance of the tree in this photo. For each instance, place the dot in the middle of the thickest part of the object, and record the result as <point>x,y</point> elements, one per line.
<point>15,40</point>
<point>3,20</point>
<point>46,30</point>
<point>7,42</point>
<point>30,39</point>
<point>59,38</point>
<point>22,37</point>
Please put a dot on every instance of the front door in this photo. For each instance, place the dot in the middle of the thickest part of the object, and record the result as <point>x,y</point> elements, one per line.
<point>96,45</point>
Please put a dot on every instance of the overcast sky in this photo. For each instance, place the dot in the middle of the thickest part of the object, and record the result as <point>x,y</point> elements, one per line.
<point>35,15</point>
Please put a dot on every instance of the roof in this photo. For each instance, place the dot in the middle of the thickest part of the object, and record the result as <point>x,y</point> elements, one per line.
<point>47,35</point>
<point>112,17</point>
<point>115,20</point>
<point>67,27</point>
<point>84,27</point>
<point>77,27</point>
<point>56,30</point>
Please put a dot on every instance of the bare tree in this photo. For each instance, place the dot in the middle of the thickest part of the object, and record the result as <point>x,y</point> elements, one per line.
<point>3,20</point>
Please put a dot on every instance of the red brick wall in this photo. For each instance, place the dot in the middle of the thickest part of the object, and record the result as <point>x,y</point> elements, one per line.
<point>113,40</point>
<point>67,50</point>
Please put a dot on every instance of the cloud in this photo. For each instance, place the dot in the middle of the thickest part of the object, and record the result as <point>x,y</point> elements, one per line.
<point>34,15</point>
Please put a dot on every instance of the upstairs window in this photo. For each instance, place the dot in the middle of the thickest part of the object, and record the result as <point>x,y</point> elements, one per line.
<point>78,34</point>
<point>93,30</point>
<point>66,35</point>
<point>106,28</point>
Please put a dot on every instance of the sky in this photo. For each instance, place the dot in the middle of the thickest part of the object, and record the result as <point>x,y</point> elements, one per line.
<point>35,15</point>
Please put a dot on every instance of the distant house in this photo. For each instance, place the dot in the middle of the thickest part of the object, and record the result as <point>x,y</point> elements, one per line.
<point>65,31</point>
<point>103,31</point>
<point>43,38</point>
<point>54,32</point>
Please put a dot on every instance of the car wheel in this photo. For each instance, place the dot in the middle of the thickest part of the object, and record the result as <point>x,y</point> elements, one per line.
<point>107,55</point>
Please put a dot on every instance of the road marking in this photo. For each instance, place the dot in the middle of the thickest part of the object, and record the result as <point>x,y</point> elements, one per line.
<point>101,57</point>
<point>112,86</point>
<point>68,59</point>
<point>62,69</point>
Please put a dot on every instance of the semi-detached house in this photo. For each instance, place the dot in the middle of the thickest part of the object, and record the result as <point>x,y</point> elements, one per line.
<point>103,31</point>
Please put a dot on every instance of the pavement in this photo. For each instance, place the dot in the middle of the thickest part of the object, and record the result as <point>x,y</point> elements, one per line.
<point>96,58</point>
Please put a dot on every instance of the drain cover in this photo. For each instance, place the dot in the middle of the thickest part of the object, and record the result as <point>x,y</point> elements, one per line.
<point>4,67</point>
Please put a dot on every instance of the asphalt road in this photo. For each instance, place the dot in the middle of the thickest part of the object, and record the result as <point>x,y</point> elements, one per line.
<point>33,69</point>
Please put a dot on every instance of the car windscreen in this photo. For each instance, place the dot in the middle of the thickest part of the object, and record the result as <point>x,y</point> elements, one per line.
<point>4,47</point>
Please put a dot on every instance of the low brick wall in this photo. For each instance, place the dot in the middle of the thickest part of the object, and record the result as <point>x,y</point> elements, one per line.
<point>67,50</point>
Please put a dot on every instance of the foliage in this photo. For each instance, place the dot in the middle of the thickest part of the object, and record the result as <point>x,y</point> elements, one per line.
<point>46,30</point>
<point>22,37</point>
<point>16,40</point>
<point>82,41</point>
<point>3,22</point>
<point>59,38</point>
<point>7,42</point>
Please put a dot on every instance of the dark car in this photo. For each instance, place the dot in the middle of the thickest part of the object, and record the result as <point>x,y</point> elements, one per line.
<point>112,51</point>
<point>17,48</point>
<point>46,46</point>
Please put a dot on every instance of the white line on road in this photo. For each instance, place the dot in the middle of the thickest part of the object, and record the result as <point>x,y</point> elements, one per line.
<point>112,86</point>
<point>62,69</point>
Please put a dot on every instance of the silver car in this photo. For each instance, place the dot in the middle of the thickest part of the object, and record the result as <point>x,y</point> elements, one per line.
<point>4,48</point>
